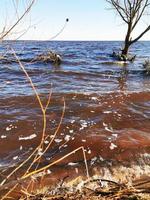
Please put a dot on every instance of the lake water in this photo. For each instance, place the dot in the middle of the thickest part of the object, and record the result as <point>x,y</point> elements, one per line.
<point>107,104</point>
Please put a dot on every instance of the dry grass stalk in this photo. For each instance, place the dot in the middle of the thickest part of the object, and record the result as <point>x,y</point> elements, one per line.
<point>59,160</point>
<point>113,191</point>
<point>9,192</point>
<point>7,32</point>
<point>38,157</point>
<point>44,120</point>
<point>34,155</point>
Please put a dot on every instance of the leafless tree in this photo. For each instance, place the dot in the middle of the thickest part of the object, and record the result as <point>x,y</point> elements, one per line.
<point>131,12</point>
<point>7,30</point>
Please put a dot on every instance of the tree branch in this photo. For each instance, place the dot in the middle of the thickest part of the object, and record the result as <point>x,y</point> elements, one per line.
<point>119,9</point>
<point>139,37</point>
<point>139,15</point>
<point>18,21</point>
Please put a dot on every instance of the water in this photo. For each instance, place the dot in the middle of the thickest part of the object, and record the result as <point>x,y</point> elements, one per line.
<point>107,103</point>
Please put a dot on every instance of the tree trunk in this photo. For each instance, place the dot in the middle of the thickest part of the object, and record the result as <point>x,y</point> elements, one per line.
<point>126,48</point>
<point>127,41</point>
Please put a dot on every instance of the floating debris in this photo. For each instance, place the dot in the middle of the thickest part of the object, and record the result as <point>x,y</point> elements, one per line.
<point>58,140</point>
<point>49,57</point>
<point>109,129</point>
<point>89,151</point>
<point>84,124</point>
<point>67,138</point>
<point>15,158</point>
<point>104,124</point>
<point>93,160</point>
<point>40,153</point>
<point>115,135</point>
<point>3,136</point>
<point>92,111</point>
<point>70,131</point>
<point>46,142</point>
<point>113,146</point>
<point>72,121</point>
<point>49,171</point>
<point>72,164</point>
<point>8,128</point>
<point>30,137</point>
<point>21,147</point>
<point>76,170</point>
<point>94,98</point>
<point>107,112</point>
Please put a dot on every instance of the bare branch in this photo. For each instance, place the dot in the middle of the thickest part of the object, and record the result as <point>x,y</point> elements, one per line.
<point>18,20</point>
<point>141,35</point>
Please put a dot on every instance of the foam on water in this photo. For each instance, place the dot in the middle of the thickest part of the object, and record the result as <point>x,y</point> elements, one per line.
<point>107,104</point>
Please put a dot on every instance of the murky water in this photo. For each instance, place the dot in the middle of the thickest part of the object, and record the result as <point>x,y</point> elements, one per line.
<point>107,103</point>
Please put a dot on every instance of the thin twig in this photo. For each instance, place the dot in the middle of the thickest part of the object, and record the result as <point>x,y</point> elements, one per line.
<point>59,160</point>
<point>18,20</point>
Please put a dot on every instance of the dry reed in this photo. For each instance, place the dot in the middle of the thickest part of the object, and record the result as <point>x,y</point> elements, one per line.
<point>34,157</point>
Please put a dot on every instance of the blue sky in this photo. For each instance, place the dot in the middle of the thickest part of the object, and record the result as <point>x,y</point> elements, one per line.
<point>89,20</point>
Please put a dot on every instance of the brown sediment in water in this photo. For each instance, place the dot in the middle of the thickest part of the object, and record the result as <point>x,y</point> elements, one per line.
<point>113,126</point>
<point>113,129</point>
<point>102,116</point>
<point>108,117</point>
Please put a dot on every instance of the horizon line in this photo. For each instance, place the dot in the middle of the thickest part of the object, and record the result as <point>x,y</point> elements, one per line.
<point>72,40</point>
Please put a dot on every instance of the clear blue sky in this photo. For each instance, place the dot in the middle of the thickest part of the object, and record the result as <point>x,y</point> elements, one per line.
<point>89,20</point>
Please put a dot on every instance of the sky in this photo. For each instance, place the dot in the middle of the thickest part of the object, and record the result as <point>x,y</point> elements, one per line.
<point>88,20</point>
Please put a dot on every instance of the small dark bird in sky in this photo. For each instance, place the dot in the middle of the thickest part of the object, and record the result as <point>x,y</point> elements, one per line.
<point>67,20</point>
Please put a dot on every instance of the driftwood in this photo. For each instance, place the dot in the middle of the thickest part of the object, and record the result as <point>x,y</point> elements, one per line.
<point>49,57</point>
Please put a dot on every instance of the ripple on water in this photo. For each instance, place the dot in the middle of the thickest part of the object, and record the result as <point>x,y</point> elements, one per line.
<point>107,105</point>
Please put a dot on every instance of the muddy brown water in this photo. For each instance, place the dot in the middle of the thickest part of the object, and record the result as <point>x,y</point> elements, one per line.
<point>107,106</point>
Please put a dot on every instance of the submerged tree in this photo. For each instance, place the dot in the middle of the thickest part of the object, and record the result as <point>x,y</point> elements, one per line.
<point>131,12</point>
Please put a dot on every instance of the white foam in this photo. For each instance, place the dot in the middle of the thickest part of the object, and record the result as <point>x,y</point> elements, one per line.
<point>58,140</point>
<point>15,158</point>
<point>113,146</point>
<point>67,137</point>
<point>72,164</point>
<point>70,131</point>
<point>30,137</point>
<point>3,136</point>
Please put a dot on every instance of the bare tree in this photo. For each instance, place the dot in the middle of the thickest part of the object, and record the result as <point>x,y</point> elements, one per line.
<point>17,18</point>
<point>131,12</point>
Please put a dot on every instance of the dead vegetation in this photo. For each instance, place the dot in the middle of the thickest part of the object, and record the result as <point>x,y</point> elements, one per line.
<point>30,166</point>
<point>46,57</point>
<point>94,189</point>
<point>49,57</point>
